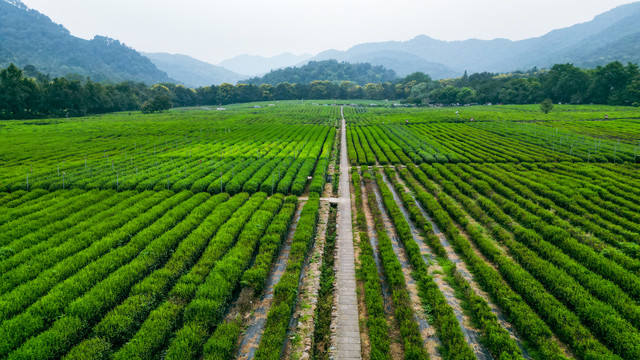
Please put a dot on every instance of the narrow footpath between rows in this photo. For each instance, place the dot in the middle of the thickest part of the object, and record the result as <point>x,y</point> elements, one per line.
<point>347,334</point>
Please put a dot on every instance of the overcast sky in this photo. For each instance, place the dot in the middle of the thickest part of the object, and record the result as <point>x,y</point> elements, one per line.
<point>214,30</point>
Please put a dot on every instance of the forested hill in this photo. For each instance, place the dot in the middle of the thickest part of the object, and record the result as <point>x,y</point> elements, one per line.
<point>331,70</point>
<point>28,37</point>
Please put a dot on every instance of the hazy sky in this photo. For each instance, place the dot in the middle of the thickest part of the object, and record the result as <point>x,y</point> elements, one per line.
<point>214,30</point>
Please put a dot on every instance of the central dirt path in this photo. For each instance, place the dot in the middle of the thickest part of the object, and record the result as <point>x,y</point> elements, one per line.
<point>347,334</point>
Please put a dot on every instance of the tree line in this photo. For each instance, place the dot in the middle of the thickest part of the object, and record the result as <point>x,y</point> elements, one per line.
<point>611,84</point>
<point>27,94</point>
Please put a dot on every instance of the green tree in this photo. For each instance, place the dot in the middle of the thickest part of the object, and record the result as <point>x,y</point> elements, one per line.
<point>388,91</point>
<point>417,77</point>
<point>374,91</point>
<point>13,93</point>
<point>248,92</point>
<point>345,89</point>
<point>446,95</point>
<point>159,101</point>
<point>301,91</point>
<point>520,91</point>
<point>610,83</point>
<point>566,83</point>
<point>319,89</point>
<point>207,95</point>
<point>182,96</point>
<point>284,91</point>
<point>546,106</point>
<point>420,92</point>
<point>266,92</point>
<point>466,96</point>
<point>633,92</point>
<point>97,99</point>
<point>356,92</point>
<point>227,94</point>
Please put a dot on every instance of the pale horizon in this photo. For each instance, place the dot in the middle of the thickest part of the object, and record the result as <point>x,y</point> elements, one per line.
<point>214,32</point>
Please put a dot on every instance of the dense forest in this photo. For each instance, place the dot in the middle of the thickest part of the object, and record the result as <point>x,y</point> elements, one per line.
<point>612,84</point>
<point>331,70</point>
<point>28,94</point>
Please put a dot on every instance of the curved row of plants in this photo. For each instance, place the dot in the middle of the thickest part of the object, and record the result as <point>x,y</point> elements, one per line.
<point>518,312</point>
<point>25,264</point>
<point>126,294</point>
<point>478,145</point>
<point>134,164</point>
<point>579,206</point>
<point>157,329</point>
<point>21,203</point>
<point>58,277</point>
<point>585,147</point>
<point>53,309</point>
<point>608,200</point>
<point>122,322</point>
<point>454,345</point>
<point>207,308</point>
<point>556,277</point>
<point>494,336</point>
<point>68,202</point>
<point>547,225</point>
<point>54,221</point>
<point>565,323</point>
<point>323,315</point>
<point>223,343</point>
<point>484,142</point>
<point>322,165</point>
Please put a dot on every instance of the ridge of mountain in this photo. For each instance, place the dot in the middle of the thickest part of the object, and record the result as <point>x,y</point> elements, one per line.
<point>582,44</point>
<point>28,37</point>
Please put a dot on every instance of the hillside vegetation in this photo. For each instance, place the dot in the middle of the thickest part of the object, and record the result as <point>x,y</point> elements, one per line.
<point>329,70</point>
<point>29,38</point>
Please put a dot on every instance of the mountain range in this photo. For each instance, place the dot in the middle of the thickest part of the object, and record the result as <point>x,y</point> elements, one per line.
<point>28,37</point>
<point>614,35</point>
<point>193,72</point>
